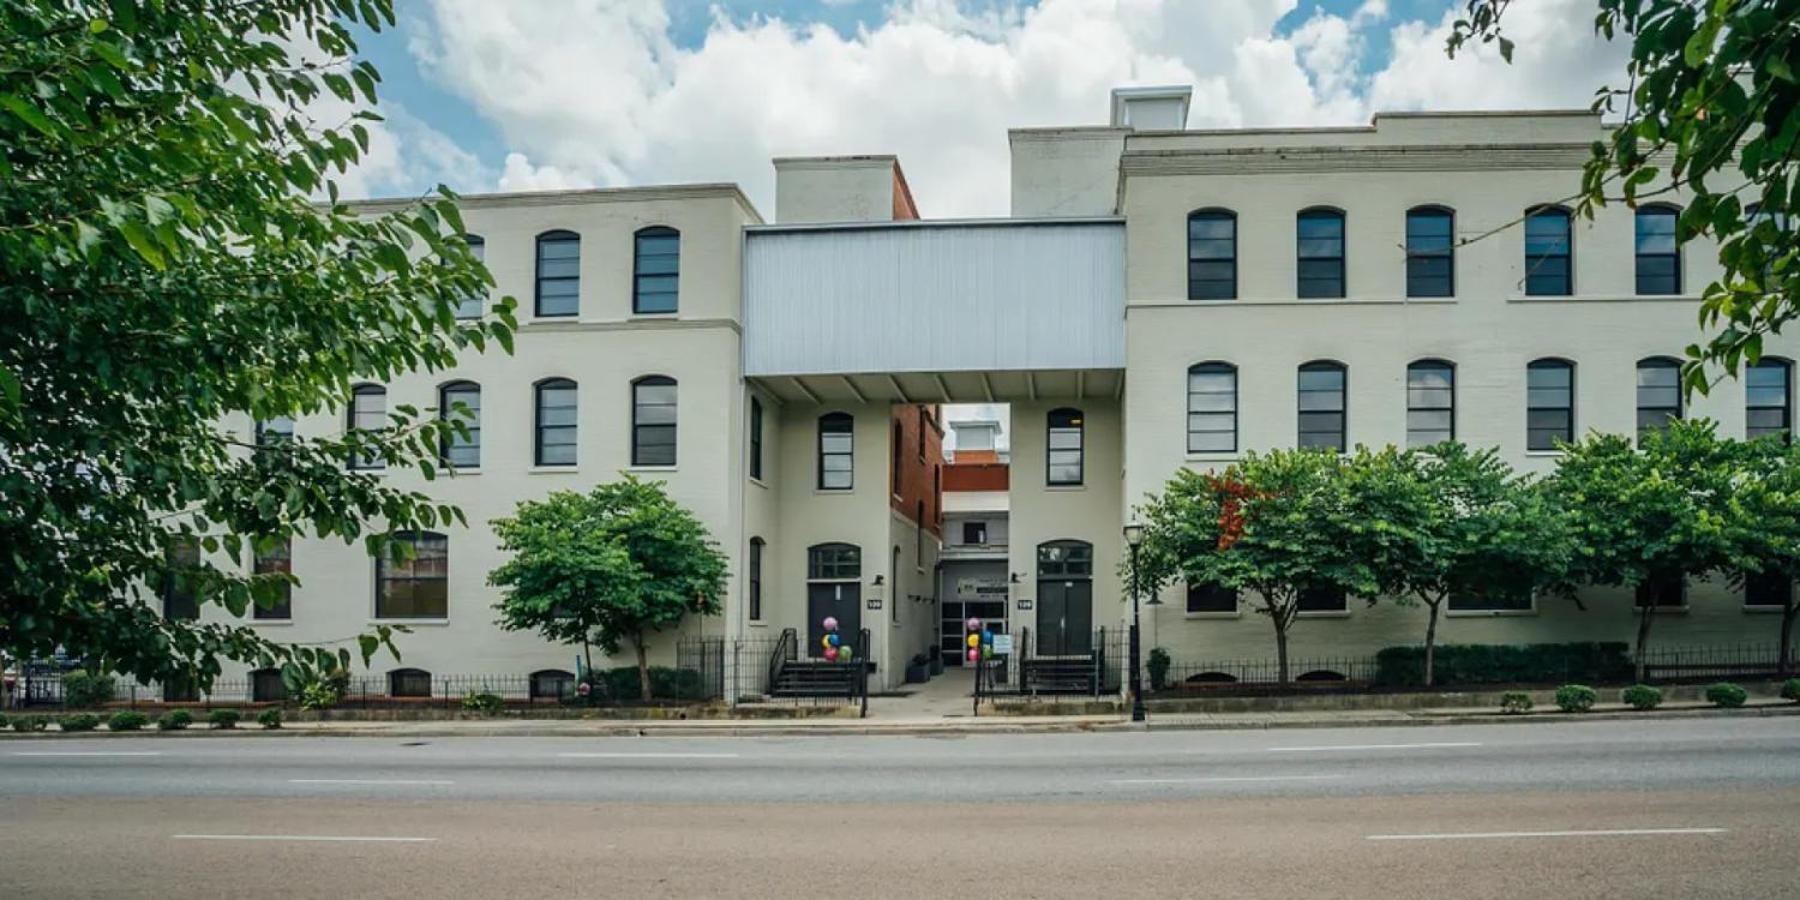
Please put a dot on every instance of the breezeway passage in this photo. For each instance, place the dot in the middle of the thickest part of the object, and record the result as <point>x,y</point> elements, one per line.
<point>1500,811</point>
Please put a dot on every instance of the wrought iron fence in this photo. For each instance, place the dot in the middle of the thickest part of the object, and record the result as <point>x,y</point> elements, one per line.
<point>1311,671</point>
<point>1717,661</point>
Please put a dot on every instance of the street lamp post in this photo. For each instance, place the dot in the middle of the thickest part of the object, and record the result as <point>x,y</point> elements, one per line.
<point>1134,535</point>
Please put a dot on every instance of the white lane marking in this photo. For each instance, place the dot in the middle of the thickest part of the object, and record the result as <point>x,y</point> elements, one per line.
<point>648,755</point>
<point>366,781</point>
<point>88,753</point>
<point>328,838</point>
<point>1222,779</point>
<point>1605,832</point>
<point>1434,746</point>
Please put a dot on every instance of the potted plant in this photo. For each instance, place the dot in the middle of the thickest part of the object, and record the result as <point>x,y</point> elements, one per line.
<point>919,670</point>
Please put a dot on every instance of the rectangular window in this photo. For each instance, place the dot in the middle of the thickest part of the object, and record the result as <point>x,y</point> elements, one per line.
<point>837,452</point>
<point>1768,404</point>
<point>1658,256</point>
<point>368,413</point>
<point>1322,413</point>
<point>653,421</point>
<point>1212,408</point>
<point>278,430</point>
<point>658,271</point>
<point>1430,259</point>
<point>974,533</point>
<point>1548,254</point>
<point>1768,589</point>
<point>1492,601</point>
<point>1323,600</point>
<point>180,594</point>
<point>461,403</point>
<point>1549,404</point>
<point>558,274</point>
<point>471,306</point>
<point>1430,403</point>
<point>1212,256</point>
<point>1666,593</point>
<point>756,554</point>
<point>1064,443</point>
<point>756,438</point>
<point>278,560</point>
<point>556,423</point>
<point>1211,598</point>
<point>1658,394</point>
<point>418,588</point>
<point>1321,253</point>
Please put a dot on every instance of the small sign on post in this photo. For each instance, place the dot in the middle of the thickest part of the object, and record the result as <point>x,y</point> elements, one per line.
<point>1002,644</point>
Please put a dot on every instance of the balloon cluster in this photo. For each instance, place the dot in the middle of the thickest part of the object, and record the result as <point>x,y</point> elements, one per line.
<point>835,648</point>
<point>980,641</point>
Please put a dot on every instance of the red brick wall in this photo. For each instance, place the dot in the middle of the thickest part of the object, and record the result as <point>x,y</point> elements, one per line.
<point>919,475</point>
<point>988,476</point>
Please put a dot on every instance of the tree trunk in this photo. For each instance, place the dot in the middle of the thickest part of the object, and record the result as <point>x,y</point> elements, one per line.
<point>1431,643</point>
<point>1783,659</point>
<point>1643,635</point>
<point>643,665</point>
<point>587,654</point>
<point>1281,656</point>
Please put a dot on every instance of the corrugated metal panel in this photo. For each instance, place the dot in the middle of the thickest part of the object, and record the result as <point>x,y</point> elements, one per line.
<point>937,298</point>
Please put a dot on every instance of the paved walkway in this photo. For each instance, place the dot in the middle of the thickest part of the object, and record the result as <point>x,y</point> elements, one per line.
<point>945,697</point>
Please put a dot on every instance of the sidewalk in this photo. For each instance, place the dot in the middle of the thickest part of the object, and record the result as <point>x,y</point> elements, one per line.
<point>938,725</point>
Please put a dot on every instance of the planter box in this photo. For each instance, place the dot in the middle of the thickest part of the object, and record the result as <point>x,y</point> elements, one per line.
<point>917,673</point>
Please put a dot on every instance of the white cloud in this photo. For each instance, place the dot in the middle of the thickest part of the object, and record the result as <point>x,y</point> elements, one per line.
<point>599,94</point>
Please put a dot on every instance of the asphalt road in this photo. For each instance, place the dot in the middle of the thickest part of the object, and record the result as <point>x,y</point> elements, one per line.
<point>1694,808</point>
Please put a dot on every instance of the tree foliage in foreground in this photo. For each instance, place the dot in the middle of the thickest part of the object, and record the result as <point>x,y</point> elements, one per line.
<point>611,566</point>
<point>1709,109</point>
<point>164,282</point>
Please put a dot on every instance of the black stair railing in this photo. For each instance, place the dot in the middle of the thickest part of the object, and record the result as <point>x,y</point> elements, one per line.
<point>786,650</point>
<point>862,673</point>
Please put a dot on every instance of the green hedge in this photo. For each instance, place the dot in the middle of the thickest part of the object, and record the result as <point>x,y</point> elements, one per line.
<point>621,683</point>
<point>1459,664</point>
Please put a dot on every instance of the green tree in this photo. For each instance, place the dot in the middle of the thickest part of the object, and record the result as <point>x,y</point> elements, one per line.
<point>1272,525</point>
<point>616,564</point>
<point>1654,515</point>
<point>1477,530</point>
<point>1768,500</point>
<point>1709,109</point>
<point>165,281</point>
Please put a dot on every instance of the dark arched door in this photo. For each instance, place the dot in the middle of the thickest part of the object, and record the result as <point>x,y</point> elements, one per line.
<point>1065,614</point>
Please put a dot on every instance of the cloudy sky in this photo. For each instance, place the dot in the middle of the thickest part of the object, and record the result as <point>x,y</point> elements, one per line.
<point>490,95</point>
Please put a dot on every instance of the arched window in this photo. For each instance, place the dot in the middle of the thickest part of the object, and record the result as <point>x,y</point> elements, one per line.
<point>1430,402</point>
<point>754,568</point>
<point>555,440</point>
<point>418,588</point>
<point>1212,255</point>
<point>653,421</point>
<point>1212,408</point>
<point>558,274</point>
<point>276,560</point>
<point>553,684</point>
<point>1549,253</point>
<point>1064,447</point>
<point>266,686</point>
<point>1658,393</point>
<point>837,452</point>
<point>409,683</point>
<point>471,306</point>
<point>1430,252</point>
<point>1320,241</point>
<point>1065,559</point>
<point>1549,403</point>
<point>368,413</point>
<point>1768,399</point>
<point>459,402</point>
<point>657,271</point>
<point>1658,256</point>
<point>1322,407</point>
<point>833,562</point>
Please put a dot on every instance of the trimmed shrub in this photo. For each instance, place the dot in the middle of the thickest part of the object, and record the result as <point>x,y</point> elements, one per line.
<point>1790,690</point>
<point>1515,703</point>
<point>1726,695</point>
<point>175,720</point>
<point>269,718</point>
<point>224,718</point>
<point>129,720</point>
<point>81,689</point>
<point>4,721</point>
<point>1458,664</point>
<point>621,684</point>
<point>79,722</point>
<point>483,702</point>
<point>1158,668</point>
<point>1576,698</point>
<point>1641,696</point>
<point>30,723</point>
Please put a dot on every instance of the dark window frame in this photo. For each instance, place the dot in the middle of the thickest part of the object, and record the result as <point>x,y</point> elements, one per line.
<point>1785,433</point>
<point>1425,365</point>
<point>1420,283</point>
<point>555,236</point>
<point>753,576</point>
<point>180,594</point>
<point>272,432</point>
<point>281,560</point>
<point>1211,367</point>
<point>834,561</point>
<point>1343,410</point>
<point>756,438</point>
<point>385,573</point>
<point>1207,599</point>
<point>539,430</point>
<point>407,682</point>
<point>639,459</point>
<point>448,444</point>
<point>1534,263</point>
<point>977,528</point>
<point>638,275</point>
<point>354,411</point>
<point>1659,364</point>
<point>474,306</point>
<point>1219,288</point>
<point>1340,278</point>
<point>1308,601</point>
<point>1672,287</point>
<point>1077,562</point>
<point>848,423</point>
<point>1065,418</point>
<point>1491,604</point>
<point>1661,590</point>
<point>551,683</point>
<point>1545,364</point>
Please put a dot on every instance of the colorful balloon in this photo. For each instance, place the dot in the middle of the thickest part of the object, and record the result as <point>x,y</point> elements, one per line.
<point>844,653</point>
<point>987,637</point>
<point>974,641</point>
<point>831,654</point>
<point>974,624</point>
<point>826,641</point>
<point>833,640</point>
<point>974,655</point>
<point>831,623</point>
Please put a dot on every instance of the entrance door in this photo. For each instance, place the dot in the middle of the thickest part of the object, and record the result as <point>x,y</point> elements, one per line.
<point>839,599</point>
<point>1065,617</point>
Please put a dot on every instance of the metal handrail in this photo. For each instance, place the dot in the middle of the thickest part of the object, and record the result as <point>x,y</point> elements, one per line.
<point>785,649</point>
<point>862,672</point>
